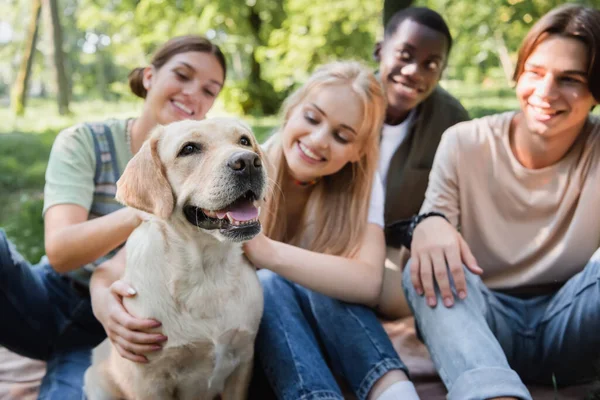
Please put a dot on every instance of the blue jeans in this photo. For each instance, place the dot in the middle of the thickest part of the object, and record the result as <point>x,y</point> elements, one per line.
<point>486,345</point>
<point>44,317</point>
<point>305,338</point>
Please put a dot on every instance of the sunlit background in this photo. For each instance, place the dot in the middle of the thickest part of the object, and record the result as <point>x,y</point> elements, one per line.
<point>66,61</point>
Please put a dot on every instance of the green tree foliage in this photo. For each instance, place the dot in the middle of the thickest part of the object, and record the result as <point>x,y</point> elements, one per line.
<point>318,32</point>
<point>271,45</point>
<point>241,28</point>
<point>488,33</point>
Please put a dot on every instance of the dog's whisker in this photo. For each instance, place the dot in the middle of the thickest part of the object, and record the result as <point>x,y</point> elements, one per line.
<point>197,222</point>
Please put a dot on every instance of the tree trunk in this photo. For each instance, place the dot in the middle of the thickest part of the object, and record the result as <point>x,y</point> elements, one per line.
<point>45,44</point>
<point>391,7</point>
<point>63,92</point>
<point>504,56</point>
<point>21,86</point>
<point>101,80</point>
<point>262,95</point>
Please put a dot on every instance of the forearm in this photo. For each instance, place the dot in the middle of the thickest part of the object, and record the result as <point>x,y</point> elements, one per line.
<point>107,273</point>
<point>346,279</point>
<point>75,245</point>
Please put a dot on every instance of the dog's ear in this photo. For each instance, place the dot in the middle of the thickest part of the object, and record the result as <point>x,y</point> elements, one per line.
<point>144,184</point>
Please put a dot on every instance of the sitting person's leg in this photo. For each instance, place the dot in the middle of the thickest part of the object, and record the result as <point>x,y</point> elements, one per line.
<point>287,348</point>
<point>64,376</point>
<point>78,333</point>
<point>356,345</point>
<point>568,342</point>
<point>45,318</point>
<point>259,385</point>
<point>462,341</point>
<point>28,322</point>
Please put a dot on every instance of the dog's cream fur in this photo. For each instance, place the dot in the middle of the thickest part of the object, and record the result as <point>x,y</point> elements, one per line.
<point>196,282</point>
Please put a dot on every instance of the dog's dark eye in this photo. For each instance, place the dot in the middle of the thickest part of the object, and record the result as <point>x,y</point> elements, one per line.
<point>244,141</point>
<point>188,149</point>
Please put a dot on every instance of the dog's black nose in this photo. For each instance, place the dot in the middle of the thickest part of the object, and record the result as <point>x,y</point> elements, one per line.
<point>244,162</point>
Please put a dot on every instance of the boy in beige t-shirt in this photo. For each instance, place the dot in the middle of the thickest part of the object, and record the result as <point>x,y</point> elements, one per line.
<point>523,189</point>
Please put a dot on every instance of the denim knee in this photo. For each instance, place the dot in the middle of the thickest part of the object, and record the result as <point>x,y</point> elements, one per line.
<point>407,285</point>
<point>272,284</point>
<point>473,282</point>
<point>286,346</point>
<point>8,252</point>
<point>266,276</point>
<point>593,265</point>
<point>64,376</point>
<point>3,241</point>
<point>339,324</point>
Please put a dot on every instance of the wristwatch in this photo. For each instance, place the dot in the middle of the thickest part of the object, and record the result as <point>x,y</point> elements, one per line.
<point>399,233</point>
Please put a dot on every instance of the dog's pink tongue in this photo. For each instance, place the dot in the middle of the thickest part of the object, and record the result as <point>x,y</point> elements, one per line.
<point>240,212</point>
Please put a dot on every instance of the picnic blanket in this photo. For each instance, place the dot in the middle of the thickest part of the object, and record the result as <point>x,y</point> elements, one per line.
<point>20,377</point>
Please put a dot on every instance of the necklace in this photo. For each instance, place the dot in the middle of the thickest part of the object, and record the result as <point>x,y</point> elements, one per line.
<point>304,184</point>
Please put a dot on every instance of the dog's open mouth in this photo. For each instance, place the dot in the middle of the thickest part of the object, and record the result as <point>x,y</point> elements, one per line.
<point>237,221</point>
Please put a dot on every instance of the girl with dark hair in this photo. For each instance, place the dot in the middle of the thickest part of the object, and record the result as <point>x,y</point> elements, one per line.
<point>46,308</point>
<point>522,188</point>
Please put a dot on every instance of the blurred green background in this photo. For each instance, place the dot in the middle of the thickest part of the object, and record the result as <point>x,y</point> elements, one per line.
<point>84,49</point>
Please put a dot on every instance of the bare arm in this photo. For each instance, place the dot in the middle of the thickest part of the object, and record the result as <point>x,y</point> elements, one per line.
<point>355,280</point>
<point>437,246</point>
<point>73,241</point>
<point>107,273</point>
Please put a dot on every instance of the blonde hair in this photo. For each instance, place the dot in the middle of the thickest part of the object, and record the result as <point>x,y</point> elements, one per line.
<point>336,213</point>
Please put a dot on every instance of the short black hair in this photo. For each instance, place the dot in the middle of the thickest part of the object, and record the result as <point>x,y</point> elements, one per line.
<point>421,15</point>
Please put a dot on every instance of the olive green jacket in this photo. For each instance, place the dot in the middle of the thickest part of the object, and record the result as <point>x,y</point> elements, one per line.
<point>410,165</point>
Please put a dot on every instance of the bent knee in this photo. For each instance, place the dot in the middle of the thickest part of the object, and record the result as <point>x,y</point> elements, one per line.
<point>596,257</point>
<point>7,250</point>
<point>470,277</point>
<point>272,284</point>
<point>407,284</point>
<point>9,255</point>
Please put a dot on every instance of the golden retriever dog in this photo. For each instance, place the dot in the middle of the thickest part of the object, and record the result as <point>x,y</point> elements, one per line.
<point>202,181</point>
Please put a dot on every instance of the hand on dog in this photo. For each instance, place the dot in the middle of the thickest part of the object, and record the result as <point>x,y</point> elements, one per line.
<point>436,248</point>
<point>258,251</point>
<point>129,334</point>
<point>139,216</point>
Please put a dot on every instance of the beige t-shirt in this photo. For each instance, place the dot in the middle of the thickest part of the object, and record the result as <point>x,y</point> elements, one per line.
<point>525,227</point>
